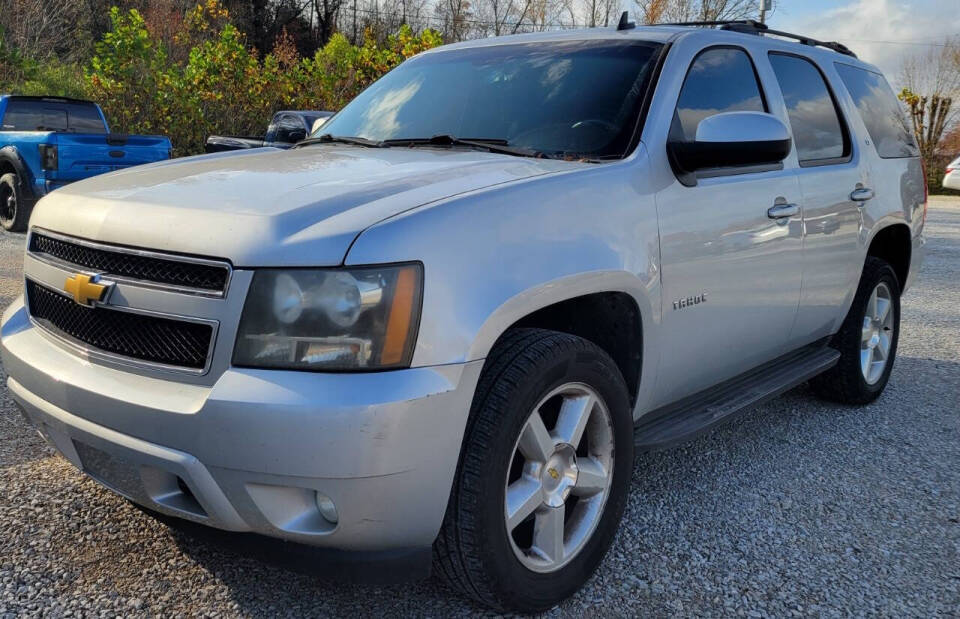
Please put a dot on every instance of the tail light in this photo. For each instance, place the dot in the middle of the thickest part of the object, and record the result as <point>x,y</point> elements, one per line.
<point>48,156</point>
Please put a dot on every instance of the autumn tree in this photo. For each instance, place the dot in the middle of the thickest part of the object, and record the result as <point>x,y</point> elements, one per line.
<point>931,93</point>
<point>660,11</point>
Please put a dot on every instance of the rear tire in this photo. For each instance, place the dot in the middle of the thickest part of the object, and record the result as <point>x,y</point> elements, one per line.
<point>14,210</point>
<point>527,554</point>
<point>867,341</point>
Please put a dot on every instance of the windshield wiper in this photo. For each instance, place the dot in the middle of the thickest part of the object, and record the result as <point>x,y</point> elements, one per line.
<point>326,138</point>
<point>493,145</point>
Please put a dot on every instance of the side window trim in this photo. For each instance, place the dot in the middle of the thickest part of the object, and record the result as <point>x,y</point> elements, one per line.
<point>841,117</point>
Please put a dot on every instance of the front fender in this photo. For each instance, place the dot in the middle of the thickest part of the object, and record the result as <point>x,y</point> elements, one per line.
<point>494,256</point>
<point>549,293</point>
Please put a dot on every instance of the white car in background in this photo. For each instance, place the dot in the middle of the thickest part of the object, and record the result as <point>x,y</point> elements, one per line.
<point>951,179</point>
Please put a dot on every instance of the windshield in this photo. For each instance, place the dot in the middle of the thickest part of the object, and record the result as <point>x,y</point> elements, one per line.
<point>565,98</point>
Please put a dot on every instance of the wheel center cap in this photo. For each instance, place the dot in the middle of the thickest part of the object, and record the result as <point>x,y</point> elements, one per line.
<point>559,475</point>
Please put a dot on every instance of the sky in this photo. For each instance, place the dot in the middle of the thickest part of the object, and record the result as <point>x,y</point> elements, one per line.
<point>879,31</point>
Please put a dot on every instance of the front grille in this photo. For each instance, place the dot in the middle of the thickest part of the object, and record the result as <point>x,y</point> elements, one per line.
<point>137,336</point>
<point>121,262</point>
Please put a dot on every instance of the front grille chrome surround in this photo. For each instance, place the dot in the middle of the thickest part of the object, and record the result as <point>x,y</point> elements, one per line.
<point>124,335</point>
<point>138,267</point>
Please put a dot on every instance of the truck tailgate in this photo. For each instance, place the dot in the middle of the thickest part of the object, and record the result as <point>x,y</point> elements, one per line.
<point>85,155</point>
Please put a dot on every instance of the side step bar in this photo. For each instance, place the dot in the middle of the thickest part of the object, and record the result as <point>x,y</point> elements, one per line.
<point>693,415</point>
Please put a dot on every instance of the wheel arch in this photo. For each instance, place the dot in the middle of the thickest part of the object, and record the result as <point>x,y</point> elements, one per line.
<point>11,161</point>
<point>893,244</point>
<point>606,309</point>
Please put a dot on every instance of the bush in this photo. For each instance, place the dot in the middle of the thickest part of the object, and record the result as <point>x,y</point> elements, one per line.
<point>222,86</point>
<point>23,75</point>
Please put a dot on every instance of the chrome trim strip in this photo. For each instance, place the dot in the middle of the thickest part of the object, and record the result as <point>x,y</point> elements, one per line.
<point>84,349</point>
<point>144,253</point>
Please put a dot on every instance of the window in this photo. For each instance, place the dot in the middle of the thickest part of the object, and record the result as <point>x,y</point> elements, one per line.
<point>287,126</point>
<point>85,119</point>
<point>817,131</point>
<point>721,79</point>
<point>880,112</point>
<point>34,116</point>
<point>40,115</point>
<point>566,98</point>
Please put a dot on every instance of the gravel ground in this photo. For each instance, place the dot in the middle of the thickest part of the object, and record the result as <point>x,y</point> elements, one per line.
<point>799,508</point>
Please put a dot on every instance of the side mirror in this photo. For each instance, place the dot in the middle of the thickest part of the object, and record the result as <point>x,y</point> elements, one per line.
<point>296,135</point>
<point>317,124</point>
<point>730,139</point>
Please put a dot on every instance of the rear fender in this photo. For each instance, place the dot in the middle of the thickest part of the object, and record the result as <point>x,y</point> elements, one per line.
<point>11,156</point>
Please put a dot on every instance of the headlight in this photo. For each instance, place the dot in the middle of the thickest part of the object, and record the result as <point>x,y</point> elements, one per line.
<point>331,319</point>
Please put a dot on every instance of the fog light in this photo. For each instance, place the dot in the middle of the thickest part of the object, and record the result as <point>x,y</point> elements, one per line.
<point>327,509</point>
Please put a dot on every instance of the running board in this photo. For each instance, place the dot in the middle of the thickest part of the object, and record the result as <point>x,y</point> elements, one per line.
<point>693,415</point>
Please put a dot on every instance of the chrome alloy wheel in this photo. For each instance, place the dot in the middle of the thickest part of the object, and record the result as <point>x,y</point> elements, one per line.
<point>877,335</point>
<point>559,479</point>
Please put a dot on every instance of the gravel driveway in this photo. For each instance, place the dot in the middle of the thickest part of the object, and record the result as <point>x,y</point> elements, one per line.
<point>799,508</point>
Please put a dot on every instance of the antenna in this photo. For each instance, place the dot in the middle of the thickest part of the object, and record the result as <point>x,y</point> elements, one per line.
<point>625,23</point>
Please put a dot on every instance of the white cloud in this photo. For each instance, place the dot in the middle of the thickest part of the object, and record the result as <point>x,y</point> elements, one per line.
<point>868,26</point>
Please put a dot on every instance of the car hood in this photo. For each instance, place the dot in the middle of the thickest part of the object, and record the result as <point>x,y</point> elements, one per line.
<point>269,207</point>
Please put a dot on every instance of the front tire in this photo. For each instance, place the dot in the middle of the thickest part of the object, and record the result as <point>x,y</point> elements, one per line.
<point>14,210</point>
<point>543,476</point>
<point>867,340</point>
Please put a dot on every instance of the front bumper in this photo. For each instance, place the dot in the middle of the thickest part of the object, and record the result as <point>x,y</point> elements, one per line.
<point>250,452</point>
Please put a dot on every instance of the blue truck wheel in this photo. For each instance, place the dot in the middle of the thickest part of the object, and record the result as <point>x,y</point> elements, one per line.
<point>14,210</point>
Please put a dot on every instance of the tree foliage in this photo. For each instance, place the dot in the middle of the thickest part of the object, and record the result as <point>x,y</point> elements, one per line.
<point>26,75</point>
<point>931,95</point>
<point>208,80</point>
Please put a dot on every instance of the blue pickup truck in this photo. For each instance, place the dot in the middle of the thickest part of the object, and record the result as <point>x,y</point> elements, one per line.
<point>47,142</point>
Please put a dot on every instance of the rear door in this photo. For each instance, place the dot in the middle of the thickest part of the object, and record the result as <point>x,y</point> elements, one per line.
<point>730,273</point>
<point>832,172</point>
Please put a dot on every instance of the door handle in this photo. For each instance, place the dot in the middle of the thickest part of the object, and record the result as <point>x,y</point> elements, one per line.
<point>861,195</point>
<point>780,211</point>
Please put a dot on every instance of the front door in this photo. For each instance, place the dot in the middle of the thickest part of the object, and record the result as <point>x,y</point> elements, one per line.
<point>731,272</point>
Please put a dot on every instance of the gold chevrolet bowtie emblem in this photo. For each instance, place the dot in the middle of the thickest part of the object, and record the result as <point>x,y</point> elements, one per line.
<point>553,473</point>
<point>84,288</point>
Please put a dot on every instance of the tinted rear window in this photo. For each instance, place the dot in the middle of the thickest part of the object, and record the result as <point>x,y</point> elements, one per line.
<point>880,112</point>
<point>84,119</point>
<point>30,115</point>
<point>816,126</point>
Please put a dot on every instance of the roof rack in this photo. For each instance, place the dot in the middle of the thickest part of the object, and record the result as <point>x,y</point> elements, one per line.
<point>750,26</point>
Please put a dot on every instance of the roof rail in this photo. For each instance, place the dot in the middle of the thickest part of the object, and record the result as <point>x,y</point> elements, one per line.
<point>750,26</point>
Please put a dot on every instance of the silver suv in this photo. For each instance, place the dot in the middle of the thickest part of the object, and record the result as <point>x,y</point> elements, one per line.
<point>436,332</point>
